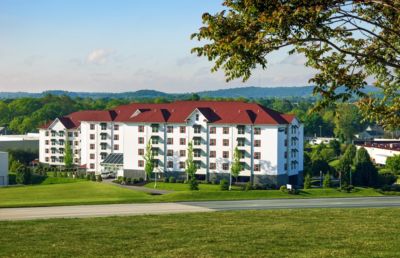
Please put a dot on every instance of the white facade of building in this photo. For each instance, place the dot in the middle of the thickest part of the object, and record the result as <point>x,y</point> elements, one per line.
<point>379,155</point>
<point>3,169</point>
<point>271,153</point>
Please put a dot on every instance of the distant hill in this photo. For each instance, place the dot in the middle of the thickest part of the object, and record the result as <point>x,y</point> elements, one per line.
<point>247,92</point>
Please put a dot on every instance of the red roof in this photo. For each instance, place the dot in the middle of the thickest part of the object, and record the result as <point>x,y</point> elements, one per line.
<point>217,112</point>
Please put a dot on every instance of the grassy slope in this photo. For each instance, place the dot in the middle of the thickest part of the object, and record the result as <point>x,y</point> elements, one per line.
<point>278,233</point>
<point>81,192</point>
<point>54,193</point>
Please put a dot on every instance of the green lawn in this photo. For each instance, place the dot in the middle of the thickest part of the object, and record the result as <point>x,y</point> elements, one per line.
<point>77,192</point>
<point>67,191</point>
<point>185,187</point>
<point>278,233</point>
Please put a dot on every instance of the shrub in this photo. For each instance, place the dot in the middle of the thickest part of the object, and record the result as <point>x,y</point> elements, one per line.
<point>248,186</point>
<point>135,181</point>
<point>88,176</point>
<point>215,181</point>
<point>224,185</point>
<point>166,180</point>
<point>307,182</point>
<point>172,179</point>
<point>98,178</point>
<point>93,177</point>
<point>23,175</point>
<point>128,181</point>
<point>193,184</point>
<point>141,179</point>
<point>283,188</point>
<point>180,181</point>
<point>387,179</point>
<point>293,191</point>
<point>12,179</point>
<point>327,181</point>
<point>347,188</point>
<point>55,174</point>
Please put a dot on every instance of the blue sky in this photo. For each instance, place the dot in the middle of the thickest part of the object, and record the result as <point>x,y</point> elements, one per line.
<point>116,45</point>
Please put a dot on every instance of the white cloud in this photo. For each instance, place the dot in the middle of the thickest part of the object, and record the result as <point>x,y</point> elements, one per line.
<point>99,56</point>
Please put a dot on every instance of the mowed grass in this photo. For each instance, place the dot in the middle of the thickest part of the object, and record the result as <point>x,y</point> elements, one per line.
<point>279,233</point>
<point>185,187</point>
<point>74,193</point>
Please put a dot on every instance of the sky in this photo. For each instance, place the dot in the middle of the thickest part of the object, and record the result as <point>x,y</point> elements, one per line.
<point>116,46</point>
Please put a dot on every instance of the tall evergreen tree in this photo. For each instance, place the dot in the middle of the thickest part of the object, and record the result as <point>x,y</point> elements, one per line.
<point>365,172</point>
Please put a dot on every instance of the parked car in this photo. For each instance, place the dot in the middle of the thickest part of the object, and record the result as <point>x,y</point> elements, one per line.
<point>107,174</point>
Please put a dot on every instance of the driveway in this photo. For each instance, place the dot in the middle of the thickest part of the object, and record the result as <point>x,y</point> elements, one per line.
<point>208,206</point>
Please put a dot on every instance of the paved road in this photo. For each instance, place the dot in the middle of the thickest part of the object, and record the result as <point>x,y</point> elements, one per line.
<point>162,208</point>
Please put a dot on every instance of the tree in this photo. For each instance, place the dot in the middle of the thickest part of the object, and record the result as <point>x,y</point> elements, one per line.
<point>335,145</point>
<point>393,163</point>
<point>365,173</point>
<point>348,122</point>
<point>68,159</point>
<point>236,167</point>
<point>346,41</point>
<point>307,181</point>
<point>327,181</point>
<point>190,165</point>
<point>346,162</point>
<point>149,160</point>
<point>318,166</point>
<point>23,175</point>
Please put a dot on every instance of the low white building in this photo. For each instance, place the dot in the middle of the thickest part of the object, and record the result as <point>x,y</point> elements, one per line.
<point>319,140</point>
<point>3,169</point>
<point>270,143</point>
<point>379,151</point>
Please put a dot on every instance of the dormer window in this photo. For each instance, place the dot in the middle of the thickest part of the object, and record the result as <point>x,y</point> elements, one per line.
<point>197,117</point>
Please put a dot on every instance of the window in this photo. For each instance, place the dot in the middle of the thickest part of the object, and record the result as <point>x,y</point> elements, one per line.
<point>170,129</point>
<point>213,130</point>
<point>61,133</point>
<point>170,153</point>
<point>196,141</point>
<point>91,166</point>
<point>213,154</point>
<point>76,134</point>
<point>47,159</point>
<point>182,153</point>
<point>116,127</point>
<point>91,136</point>
<point>53,142</point>
<point>47,151</point>
<point>76,143</point>
<point>92,146</point>
<point>154,140</point>
<point>181,165</point>
<point>140,140</point>
<point>182,129</point>
<point>69,134</point>
<point>170,164</point>
<point>285,166</point>
<point>213,166</point>
<point>155,163</point>
<point>53,133</point>
<point>256,167</point>
<point>225,154</point>
<point>225,166</point>
<point>197,153</point>
<point>257,155</point>
<point>140,163</point>
<point>141,152</point>
<point>285,142</point>
<point>76,160</point>
<point>91,126</point>
<point>170,141</point>
<point>182,141</point>
<point>91,156</point>
<point>70,143</point>
<point>154,128</point>
<point>197,117</point>
<point>103,126</point>
<point>61,159</point>
<point>212,142</point>
<point>53,159</point>
<point>141,128</point>
<point>61,142</point>
<point>154,152</point>
<point>240,142</point>
<point>225,142</point>
<point>116,147</point>
<point>257,143</point>
<point>47,142</point>
<point>116,137</point>
<point>104,146</point>
<point>225,130</point>
<point>197,128</point>
<point>285,154</point>
<point>242,154</point>
<point>53,150</point>
<point>104,136</point>
<point>61,150</point>
<point>47,133</point>
<point>241,129</point>
<point>257,130</point>
<point>76,152</point>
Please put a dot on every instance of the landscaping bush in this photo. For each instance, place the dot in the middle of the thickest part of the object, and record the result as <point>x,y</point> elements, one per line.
<point>224,185</point>
<point>258,187</point>
<point>347,188</point>
<point>93,177</point>
<point>327,181</point>
<point>128,181</point>
<point>23,175</point>
<point>88,177</point>
<point>283,188</point>
<point>12,179</point>
<point>98,178</point>
<point>171,179</point>
<point>248,186</point>
<point>141,180</point>
<point>215,181</point>
<point>180,181</point>
<point>166,179</point>
<point>387,179</point>
<point>193,184</point>
<point>307,182</point>
<point>135,181</point>
<point>293,191</point>
<point>55,174</point>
